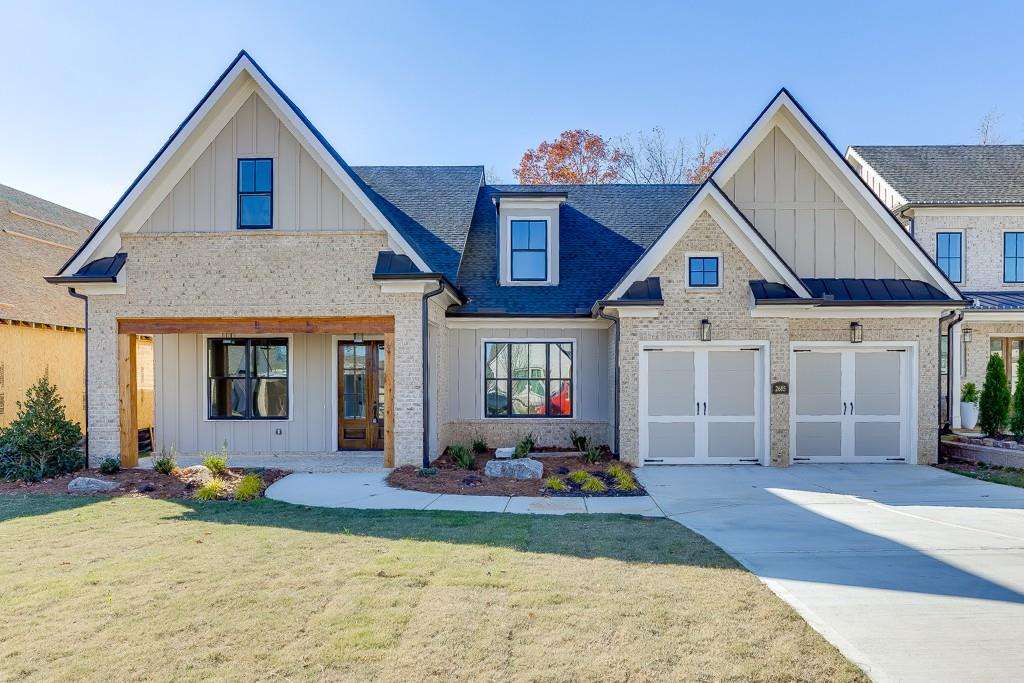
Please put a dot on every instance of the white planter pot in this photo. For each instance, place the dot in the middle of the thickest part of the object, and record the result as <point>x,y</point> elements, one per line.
<point>968,415</point>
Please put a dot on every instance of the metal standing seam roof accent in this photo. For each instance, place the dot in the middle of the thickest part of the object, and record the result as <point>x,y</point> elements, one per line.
<point>995,300</point>
<point>966,175</point>
<point>839,291</point>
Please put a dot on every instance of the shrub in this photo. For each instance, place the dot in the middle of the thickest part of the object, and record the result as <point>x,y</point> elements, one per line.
<point>627,484</point>
<point>592,455</point>
<point>41,442</point>
<point>529,441</point>
<point>579,441</point>
<point>555,484</point>
<point>522,450</point>
<point>624,479</point>
<point>251,486</point>
<point>994,406</point>
<point>462,457</point>
<point>479,446</point>
<point>1017,412</point>
<point>618,471</point>
<point>211,490</point>
<point>110,466</point>
<point>217,462</point>
<point>593,485</point>
<point>579,476</point>
<point>164,462</point>
<point>427,471</point>
<point>969,393</point>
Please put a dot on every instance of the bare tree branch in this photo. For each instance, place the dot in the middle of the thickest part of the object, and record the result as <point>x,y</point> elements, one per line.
<point>987,128</point>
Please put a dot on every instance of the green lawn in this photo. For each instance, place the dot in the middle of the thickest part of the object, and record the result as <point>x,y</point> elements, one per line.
<point>1011,476</point>
<point>138,589</point>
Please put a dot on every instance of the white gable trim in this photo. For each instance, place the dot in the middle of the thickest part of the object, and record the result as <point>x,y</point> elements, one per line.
<point>851,153</point>
<point>882,225</point>
<point>710,198</point>
<point>189,142</point>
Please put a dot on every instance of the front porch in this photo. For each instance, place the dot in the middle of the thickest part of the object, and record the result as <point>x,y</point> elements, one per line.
<point>339,462</point>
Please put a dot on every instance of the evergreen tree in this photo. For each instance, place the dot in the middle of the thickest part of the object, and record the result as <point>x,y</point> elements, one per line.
<point>41,442</point>
<point>1017,411</point>
<point>994,407</point>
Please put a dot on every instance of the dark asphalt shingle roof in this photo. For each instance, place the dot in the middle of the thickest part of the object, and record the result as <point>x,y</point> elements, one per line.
<point>852,290</point>
<point>951,174</point>
<point>603,230</point>
<point>995,300</point>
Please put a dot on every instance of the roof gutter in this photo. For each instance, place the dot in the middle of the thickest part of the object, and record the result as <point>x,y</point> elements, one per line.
<point>442,284</point>
<point>442,280</point>
<point>599,311</point>
<point>72,292</point>
<point>952,318</point>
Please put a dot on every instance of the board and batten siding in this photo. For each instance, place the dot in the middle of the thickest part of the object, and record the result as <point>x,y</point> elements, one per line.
<point>801,216</point>
<point>180,401</point>
<point>305,198</point>
<point>590,358</point>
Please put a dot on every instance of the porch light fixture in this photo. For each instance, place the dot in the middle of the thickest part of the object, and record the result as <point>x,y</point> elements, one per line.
<point>856,333</point>
<point>705,330</point>
<point>967,335</point>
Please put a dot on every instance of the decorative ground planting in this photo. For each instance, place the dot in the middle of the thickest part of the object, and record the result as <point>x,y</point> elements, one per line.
<point>566,473</point>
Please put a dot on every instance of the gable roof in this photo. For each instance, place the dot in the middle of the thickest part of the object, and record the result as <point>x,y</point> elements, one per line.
<point>603,230</point>
<point>337,168</point>
<point>955,175</point>
<point>35,238</point>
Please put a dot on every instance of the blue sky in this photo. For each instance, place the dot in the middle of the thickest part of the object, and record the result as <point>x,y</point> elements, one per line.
<point>91,90</point>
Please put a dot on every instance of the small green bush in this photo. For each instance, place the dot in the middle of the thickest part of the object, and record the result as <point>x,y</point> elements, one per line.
<point>462,457</point>
<point>164,462</point>
<point>529,441</point>
<point>110,466</point>
<point>427,472</point>
<point>479,446</point>
<point>524,447</point>
<point>994,406</point>
<point>41,442</point>
<point>250,487</point>
<point>1017,407</point>
<point>579,476</point>
<point>211,490</point>
<point>593,485</point>
<point>555,484</point>
<point>617,471</point>
<point>969,393</point>
<point>579,441</point>
<point>592,455</point>
<point>217,462</point>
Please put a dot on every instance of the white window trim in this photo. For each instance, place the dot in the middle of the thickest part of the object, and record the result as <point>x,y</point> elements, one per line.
<point>703,254</point>
<point>525,340</point>
<point>507,255</point>
<point>963,252</point>
<point>205,377</point>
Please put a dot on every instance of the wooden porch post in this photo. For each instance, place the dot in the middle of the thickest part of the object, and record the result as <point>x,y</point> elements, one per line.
<point>389,399</point>
<point>128,394</point>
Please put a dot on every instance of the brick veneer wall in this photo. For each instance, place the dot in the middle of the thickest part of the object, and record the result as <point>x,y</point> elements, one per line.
<point>252,274</point>
<point>982,246</point>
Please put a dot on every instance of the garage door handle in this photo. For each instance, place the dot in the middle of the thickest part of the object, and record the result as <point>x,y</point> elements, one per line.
<point>844,407</point>
<point>851,407</point>
<point>705,408</point>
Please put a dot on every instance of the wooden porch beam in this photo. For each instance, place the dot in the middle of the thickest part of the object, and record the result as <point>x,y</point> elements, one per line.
<point>251,325</point>
<point>389,399</point>
<point>128,396</point>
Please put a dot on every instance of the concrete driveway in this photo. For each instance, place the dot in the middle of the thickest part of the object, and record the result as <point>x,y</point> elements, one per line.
<point>914,573</point>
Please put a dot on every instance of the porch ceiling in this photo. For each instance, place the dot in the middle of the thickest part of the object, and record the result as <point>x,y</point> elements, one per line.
<point>255,325</point>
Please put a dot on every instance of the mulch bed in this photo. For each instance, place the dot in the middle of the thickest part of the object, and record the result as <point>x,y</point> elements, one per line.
<point>138,482</point>
<point>451,479</point>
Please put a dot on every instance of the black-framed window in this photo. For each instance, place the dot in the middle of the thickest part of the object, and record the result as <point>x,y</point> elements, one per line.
<point>248,379</point>
<point>529,250</point>
<point>528,379</point>
<point>949,254</point>
<point>255,193</point>
<point>1013,257</point>
<point>703,271</point>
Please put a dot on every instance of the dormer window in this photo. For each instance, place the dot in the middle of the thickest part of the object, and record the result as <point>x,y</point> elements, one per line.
<point>255,193</point>
<point>529,250</point>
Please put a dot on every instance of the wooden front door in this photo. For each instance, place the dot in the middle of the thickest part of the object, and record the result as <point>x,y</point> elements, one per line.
<point>361,399</point>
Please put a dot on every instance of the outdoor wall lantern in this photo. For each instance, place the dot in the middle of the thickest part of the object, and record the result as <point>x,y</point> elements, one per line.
<point>856,333</point>
<point>967,335</point>
<point>705,330</point>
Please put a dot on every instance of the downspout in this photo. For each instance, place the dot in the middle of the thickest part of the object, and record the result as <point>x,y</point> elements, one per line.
<point>618,334</point>
<point>425,351</point>
<point>952,318</point>
<point>72,292</point>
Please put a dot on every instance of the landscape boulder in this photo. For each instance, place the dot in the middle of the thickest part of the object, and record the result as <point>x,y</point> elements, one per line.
<point>516,468</point>
<point>91,485</point>
<point>197,474</point>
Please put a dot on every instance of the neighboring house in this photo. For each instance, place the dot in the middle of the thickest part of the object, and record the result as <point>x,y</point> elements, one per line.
<point>964,204</point>
<point>42,330</point>
<point>777,313</point>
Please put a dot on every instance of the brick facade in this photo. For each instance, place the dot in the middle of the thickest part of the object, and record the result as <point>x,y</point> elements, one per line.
<point>982,247</point>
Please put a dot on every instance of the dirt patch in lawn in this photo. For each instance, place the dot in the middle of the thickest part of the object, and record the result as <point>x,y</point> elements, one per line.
<point>451,479</point>
<point>1009,476</point>
<point>139,482</point>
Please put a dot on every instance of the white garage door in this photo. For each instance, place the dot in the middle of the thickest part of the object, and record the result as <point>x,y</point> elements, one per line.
<point>701,406</point>
<point>851,405</point>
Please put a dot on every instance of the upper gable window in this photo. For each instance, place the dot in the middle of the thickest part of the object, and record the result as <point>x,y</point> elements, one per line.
<point>529,250</point>
<point>255,193</point>
<point>949,254</point>
<point>702,271</point>
<point>1013,257</point>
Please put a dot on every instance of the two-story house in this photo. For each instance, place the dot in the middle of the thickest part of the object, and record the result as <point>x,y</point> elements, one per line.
<point>964,204</point>
<point>776,313</point>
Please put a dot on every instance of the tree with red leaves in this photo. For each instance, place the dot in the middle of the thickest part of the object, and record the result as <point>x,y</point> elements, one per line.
<point>577,157</point>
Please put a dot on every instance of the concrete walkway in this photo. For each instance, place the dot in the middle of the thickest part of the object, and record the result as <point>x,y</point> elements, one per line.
<point>369,491</point>
<point>914,573</point>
